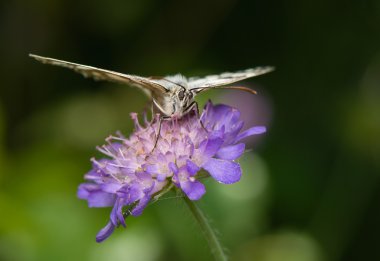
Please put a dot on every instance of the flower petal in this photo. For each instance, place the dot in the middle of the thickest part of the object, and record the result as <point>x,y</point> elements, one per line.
<point>251,131</point>
<point>114,216</point>
<point>95,196</point>
<point>105,232</point>
<point>191,167</point>
<point>194,189</point>
<point>151,169</point>
<point>231,152</point>
<point>83,191</point>
<point>119,212</point>
<point>110,187</point>
<point>224,171</point>
<point>100,199</point>
<point>132,193</point>
<point>212,146</point>
<point>137,211</point>
<point>173,168</point>
<point>220,117</point>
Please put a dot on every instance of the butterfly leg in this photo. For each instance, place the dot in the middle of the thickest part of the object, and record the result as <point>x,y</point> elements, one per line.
<point>160,119</point>
<point>197,114</point>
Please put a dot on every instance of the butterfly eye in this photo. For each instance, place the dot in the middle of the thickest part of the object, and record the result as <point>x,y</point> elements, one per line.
<point>181,95</point>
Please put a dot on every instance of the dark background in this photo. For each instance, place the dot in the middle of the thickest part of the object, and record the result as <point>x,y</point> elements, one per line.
<point>310,188</point>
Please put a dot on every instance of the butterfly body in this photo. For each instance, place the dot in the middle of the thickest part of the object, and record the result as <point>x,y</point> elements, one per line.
<point>173,96</point>
<point>178,99</point>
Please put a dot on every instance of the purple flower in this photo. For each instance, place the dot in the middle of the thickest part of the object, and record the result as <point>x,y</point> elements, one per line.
<point>134,173</point>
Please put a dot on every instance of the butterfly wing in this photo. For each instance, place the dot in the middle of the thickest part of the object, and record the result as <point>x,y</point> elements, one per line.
<point>147,85</point>
<point>215,81</point>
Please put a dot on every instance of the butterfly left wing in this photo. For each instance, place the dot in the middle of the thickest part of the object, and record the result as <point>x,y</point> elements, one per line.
<point>147,85</point>
<point>215,81</point>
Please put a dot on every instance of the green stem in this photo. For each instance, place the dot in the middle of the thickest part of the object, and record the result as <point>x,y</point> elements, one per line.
<point>208,232</point>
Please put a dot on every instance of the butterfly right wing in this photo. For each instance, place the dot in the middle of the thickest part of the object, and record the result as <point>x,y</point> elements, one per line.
<point>220,80</point>
<point>147,85</point>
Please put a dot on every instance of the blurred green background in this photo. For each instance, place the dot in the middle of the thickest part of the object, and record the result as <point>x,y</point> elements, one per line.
<point>310,189</point>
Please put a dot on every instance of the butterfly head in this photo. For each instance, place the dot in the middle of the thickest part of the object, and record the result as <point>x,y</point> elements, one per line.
<point>182,102</point>
<point>175,103</point>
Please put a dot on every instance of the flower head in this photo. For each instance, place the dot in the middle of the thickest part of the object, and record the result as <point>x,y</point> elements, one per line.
<point>136,170</point>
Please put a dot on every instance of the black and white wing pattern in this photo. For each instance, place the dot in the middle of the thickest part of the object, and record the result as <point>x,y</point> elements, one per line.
<point>214,81</point>
<point>149,86</point>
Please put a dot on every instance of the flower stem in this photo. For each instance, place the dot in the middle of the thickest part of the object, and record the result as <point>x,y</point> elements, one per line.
<point>208,232</point>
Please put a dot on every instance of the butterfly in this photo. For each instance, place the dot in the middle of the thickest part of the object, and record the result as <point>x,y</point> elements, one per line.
<point>173,96</point>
